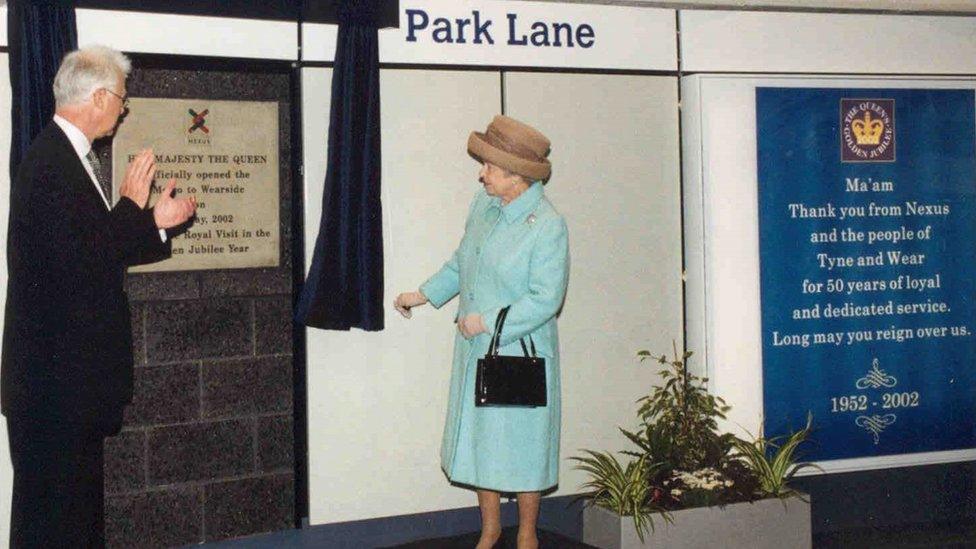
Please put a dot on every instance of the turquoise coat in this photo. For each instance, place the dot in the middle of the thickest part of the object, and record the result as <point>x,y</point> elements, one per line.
<point>518,255</point>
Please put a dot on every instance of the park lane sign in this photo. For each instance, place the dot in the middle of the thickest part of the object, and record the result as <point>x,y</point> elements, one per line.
<point>499,33</point>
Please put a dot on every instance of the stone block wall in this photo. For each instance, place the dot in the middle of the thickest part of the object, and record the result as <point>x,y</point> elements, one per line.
<point>206,451</point>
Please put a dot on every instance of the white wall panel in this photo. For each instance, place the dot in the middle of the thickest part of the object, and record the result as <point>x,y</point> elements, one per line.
<point>822,42</point>
<point>615,179</point>
<point>377,400</point>
<point>722,185</point>
<point>694,226</point>
<point>188,35</point>
<point>319,41</point>
<point>380,398</point>
<point>3,27</point>
<point>316,99</point>
<point>6,470</point>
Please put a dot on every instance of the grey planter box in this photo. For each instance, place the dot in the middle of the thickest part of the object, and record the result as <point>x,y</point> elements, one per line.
<point>768,523</point>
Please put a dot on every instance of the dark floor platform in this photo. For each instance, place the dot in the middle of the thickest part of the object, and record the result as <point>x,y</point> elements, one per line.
<point>547,540</point>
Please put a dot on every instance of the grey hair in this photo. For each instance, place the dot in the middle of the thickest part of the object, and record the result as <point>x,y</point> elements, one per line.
<point>85,70</point>
<point>510,173</point>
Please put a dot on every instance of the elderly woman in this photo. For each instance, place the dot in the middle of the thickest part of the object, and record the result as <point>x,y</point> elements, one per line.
<point>514,253</point>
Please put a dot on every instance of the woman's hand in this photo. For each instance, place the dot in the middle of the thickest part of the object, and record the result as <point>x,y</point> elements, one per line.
<point>471,325</point>
<point>407,300</point>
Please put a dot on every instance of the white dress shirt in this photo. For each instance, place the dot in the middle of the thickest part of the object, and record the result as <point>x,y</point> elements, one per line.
<point>82,146</point>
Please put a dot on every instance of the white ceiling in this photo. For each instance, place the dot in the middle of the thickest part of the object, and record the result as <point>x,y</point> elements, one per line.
<point>887,5</point>
<point>918,6</point>
<point>923,6</point>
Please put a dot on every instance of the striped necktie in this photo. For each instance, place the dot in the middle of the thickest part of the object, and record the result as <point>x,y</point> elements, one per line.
<point>103,181</point>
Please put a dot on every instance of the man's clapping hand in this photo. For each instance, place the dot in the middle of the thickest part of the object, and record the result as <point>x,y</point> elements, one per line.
<point>138,178</point>
<point>170,212</point>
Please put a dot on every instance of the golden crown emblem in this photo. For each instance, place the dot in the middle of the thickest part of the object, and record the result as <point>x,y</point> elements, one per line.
<point>867,131</point>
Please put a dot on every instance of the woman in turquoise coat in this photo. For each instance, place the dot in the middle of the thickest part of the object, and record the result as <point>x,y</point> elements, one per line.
<point>514,252</point>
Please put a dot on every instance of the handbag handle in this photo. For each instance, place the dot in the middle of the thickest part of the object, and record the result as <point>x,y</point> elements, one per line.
<point>499,322</point>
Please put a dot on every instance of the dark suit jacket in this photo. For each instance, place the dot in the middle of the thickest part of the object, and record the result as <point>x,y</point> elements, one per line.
<point>67,338</point>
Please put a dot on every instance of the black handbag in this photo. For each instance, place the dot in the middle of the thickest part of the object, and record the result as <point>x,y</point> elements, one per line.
<point>510,380</point>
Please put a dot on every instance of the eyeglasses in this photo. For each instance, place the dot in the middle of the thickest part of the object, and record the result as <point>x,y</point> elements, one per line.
<point>123,98</point>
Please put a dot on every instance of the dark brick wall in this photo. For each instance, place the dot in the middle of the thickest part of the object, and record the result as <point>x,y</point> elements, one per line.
<point>926,497</point>
<point>206,452</point>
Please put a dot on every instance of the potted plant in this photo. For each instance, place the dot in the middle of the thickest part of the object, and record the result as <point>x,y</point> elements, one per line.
<point>686,484</point>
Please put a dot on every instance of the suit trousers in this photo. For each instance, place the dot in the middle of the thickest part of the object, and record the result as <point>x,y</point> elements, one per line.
<point>58,498</point>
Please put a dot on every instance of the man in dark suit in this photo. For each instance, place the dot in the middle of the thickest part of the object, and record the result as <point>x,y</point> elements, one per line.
<point>67,342</point>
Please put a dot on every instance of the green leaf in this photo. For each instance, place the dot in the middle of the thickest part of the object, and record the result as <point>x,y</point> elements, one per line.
<point>678,431</point>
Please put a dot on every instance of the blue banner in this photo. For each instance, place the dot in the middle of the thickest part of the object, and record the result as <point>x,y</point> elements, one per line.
<point>868,267</point>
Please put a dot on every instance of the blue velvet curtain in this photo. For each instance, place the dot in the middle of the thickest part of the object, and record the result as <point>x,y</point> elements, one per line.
<point>39,34</point>
<point>344,287</point>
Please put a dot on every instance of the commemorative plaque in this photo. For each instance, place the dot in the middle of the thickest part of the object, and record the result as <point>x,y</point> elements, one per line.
<point>868,267</point>
<point>226,154</point>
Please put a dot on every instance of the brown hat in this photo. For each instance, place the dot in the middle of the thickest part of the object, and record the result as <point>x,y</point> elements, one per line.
<point>513,145</point>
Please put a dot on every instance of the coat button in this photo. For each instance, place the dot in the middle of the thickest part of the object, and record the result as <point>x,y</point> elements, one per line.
<point>470,295</point>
